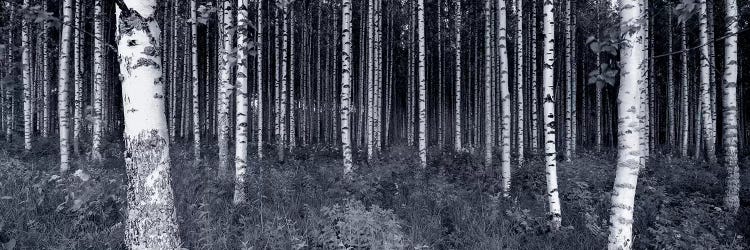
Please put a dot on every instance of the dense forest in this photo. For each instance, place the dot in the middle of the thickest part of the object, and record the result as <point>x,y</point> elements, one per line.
<point>374,124</point>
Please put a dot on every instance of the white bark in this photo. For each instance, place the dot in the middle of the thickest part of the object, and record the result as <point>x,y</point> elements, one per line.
<point>62,87</point>
<point>504,97</point>
<point>519,78</point>
<point>457,137</point>
<point>685,92</point>
<point>629,151</point>
<point>731,162</point>
<point>225,90</point>
<point>78,79</point>
<point>241,112</point>
<point>549,114</point>
<point>259,75</point>
<point>568,81</point>
<point>709,130</point>
<point>534,85</point>
<point>487,84</point>
<point>151,222</point>
<point>196,87</point>
<point>422,85</point>
<point>346,60</point>
<point>26,75</point>
<point>370,80</point>
<point>284,81</point>
<point>98,91</point>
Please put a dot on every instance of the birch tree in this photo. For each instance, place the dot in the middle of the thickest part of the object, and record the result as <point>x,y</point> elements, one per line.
<point>487,84</point>
<point>62,87</point>
<point>346,60</point>
<point>151,221</point>
<point>259,74</point>
<point>568,81</point>
<point>457,137</point>
<point>98,92</point>
<point>422,85</point>
<point>284,80</point>
<point>241,112</point>
<point>504,96</point>
<point>549,114</point>
<point>709,131</point>
<point>729,104</point>
<point>628,108</point>
<point>26,76</point>
<point>78,79</point>
<point>225,89</point>
<point>195,81</point>
<point>684,103</point>
<point>519,81</point>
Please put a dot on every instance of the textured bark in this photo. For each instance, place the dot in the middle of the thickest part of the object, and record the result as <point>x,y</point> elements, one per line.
<point>259,76</point>
<point>78,79</point>
<point>568,81</point>
<point>457,119</point>
<point>225,90</point>
<point>519,82</point>
<point>685,92</point>
<point>98,90</point>
<point>241,112</point>
<point>346,69</point>
<point>629,152</point>
<point>46,76</point>
<point>671,118</point>
<point>729,104</point>
<point>370,80</point>
<point>196,87</point>
<point>549,114</point>
<point>708,128</point>
<point>534,85</point>
<point>422,99</point>
<point>283,101</point>
<point>151,222</point>
<point>487,83</point>
<point>62,87</point>
<point>504,97</point>
<point>27,85</point>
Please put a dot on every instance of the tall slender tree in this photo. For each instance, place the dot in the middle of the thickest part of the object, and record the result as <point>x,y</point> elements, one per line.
<point>520,133</point>
<point>196,87</point>
<point>422,99</point>
<point>549,113</point>
<point>346,69</point>
<point>62,87</point>
<point>730,137</point>
<point>241,111</point>
<point>457,110</point>
<point>225,88</point>
<point>504,96</point>
<point>98,92</point>
<point>27,84</point>
<point>709,130</point>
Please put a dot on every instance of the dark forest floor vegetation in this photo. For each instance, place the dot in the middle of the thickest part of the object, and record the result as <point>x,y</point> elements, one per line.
<point>390,204</point>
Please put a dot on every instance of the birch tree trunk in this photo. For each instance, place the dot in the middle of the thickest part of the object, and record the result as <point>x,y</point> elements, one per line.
<point>685,92</point>
<point>709,130</point>
<point>284,80</point>
<point>241,113</point>
<point>27,85</point>
<point>98,92</point>
<point>195,81</point>
<point>62,88</point>
<point>731,162</point>
<point>346,60</point>
<point>152,221</point>
<point>671,118</point>
<point>225,90</point>
<point>568,81</point>
<point>534,85</point>
<point>78,79</point>
<point>549,114</point>
<point>519,81</point>
<point>504,96</point>
<point>259,75</point>
<point>422,85</point>
<point>629,152</point>
<point>46,76</point>
<point>487,83</point>
<point>457,119</point>
<point>370,80</point>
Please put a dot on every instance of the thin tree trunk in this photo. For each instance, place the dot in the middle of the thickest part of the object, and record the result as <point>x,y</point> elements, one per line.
<point>730,137</point>
<point>259,75</point>
<point>549,114</point>
<point>62,88</point>
<point>225,90</point>
<point>284,81</point>
<point>504,97</point>
<point>152,221</point>
<point>78,79</point>
<point>709,131</point>
<point>671,117</point>
<point>27,81</point>
<point>487,84</point>
<point>457,138</point>
<point>96,135</point>
<point>519,82</point>
<point>568,82</point>
<point>241,113</point>
<point>422,85</point>
<point>685,92</point>
<point>346,60</point>
<point>196,82</point>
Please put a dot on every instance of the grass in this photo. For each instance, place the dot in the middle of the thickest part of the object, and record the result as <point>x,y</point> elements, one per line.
<point>303,203</point>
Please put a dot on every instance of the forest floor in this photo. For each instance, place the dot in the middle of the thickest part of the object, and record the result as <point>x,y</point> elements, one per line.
<point>390,204</point>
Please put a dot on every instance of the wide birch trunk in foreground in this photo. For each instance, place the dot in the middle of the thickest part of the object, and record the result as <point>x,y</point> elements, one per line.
<point>151,218</point>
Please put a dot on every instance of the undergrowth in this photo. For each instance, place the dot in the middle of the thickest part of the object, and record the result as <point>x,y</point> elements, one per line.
<point>303,203</point>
